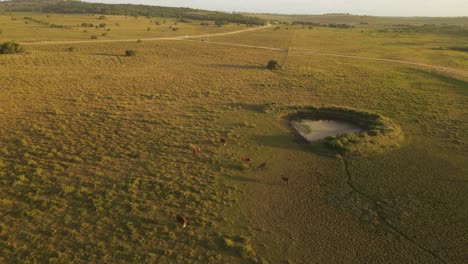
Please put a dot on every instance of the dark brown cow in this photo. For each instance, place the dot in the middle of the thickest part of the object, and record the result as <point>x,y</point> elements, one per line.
<point>223,141</point>
<point>286,180</point>
<point>181,220</point>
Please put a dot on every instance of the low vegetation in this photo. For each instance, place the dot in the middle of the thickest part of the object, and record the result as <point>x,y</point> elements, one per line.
<point>11,47</point>
<point>455,30</point>
<point>332,25</point>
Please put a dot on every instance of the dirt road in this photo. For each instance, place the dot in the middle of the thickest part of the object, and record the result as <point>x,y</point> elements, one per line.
<point>292,52</point>
<point>144,39</point>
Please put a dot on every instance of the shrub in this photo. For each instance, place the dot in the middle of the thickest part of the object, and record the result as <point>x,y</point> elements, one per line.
<point>94,37</point>
<point>273,65</point>
<point>228,243</point>
<point>220,23</point>
<point>130,53</point>
<point>247,252</point>
<point>184,20</point>
<point>11,47</point>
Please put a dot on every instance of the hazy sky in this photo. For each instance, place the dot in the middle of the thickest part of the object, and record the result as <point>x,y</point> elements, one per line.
<point>359,7</point>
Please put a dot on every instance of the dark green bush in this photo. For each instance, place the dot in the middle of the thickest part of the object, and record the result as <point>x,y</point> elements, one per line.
<point>10,47</point>
<point>220,22</point>
<point>273,65</point>
<point>130,53</point>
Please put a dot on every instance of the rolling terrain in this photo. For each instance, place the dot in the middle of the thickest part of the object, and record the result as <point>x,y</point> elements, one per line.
<point>96,147</point>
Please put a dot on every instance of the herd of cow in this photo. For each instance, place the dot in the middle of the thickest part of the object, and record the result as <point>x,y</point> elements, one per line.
<point>196,151</point>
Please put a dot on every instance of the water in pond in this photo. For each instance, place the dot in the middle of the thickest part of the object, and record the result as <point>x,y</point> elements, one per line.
<point>314,130</point>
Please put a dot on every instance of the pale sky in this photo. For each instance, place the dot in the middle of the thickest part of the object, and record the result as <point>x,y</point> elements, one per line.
<point>357,7</point>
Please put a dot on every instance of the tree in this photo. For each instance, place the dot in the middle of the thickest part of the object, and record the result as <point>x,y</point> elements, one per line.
<point>130,53</point>
<point>11,47</point>
<point>273,65</point>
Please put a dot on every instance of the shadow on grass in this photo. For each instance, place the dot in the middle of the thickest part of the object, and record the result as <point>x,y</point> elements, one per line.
<point>237,66</point>
<point>292,142</point>
<point>460,85</point>
<point>250,107</point>
<point>243,179</point>
<point>107,54</point>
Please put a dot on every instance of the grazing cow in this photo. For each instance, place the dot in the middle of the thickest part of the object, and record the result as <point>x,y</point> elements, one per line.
<point>181,220</point>
<point>223,141</point>
<point>196,151</point>
<point>246,159</point>
<point>262,166</point>
<point>286,180</point>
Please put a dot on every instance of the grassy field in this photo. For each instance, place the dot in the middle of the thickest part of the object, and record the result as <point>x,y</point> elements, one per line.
<point>371,42</point>
<point>96,148</point>
<point>37,27</point>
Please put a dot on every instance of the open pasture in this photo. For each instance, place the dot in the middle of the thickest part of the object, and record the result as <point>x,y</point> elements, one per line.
<point>96,150</point>
<point>37,27</point>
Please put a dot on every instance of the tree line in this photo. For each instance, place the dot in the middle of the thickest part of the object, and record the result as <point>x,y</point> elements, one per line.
<point>78,7</point>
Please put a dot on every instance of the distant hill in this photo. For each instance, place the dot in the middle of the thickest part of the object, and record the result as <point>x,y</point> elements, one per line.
<point>79,7</point>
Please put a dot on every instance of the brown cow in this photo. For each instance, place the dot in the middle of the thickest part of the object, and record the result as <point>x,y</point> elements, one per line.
<point>182,220</point>
<point>246,159</point>
<point>223,141</point>
<point>196,151</point>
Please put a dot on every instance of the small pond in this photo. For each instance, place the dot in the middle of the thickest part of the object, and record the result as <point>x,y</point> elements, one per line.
<point>314,130</point>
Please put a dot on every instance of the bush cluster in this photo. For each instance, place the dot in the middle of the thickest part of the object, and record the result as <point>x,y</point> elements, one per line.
<point>10,47</point>
<point>273,65</point>
<point>130,53</point>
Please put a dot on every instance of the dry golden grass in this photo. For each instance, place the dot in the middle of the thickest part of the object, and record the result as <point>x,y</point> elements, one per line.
<point>96,161</point>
